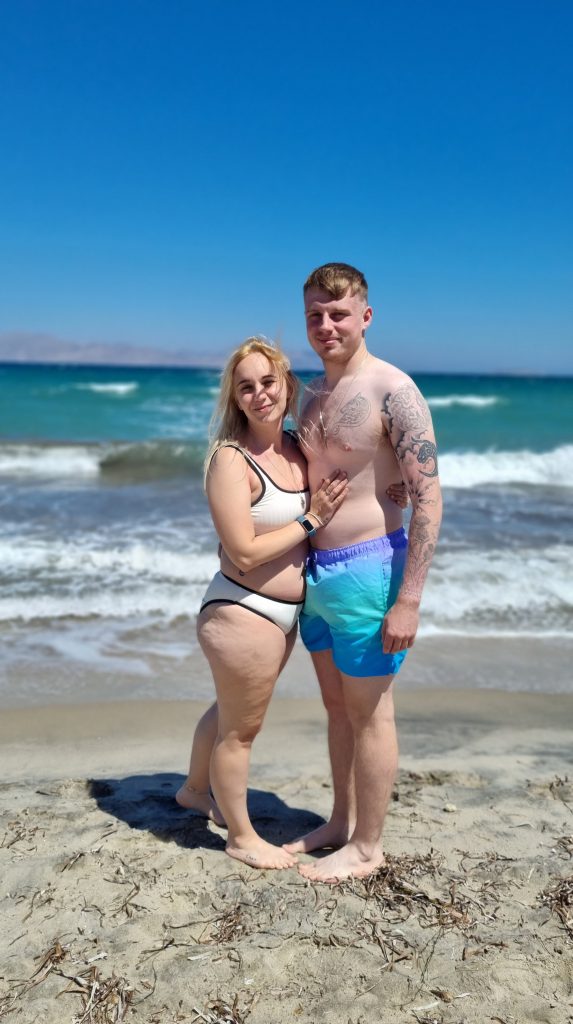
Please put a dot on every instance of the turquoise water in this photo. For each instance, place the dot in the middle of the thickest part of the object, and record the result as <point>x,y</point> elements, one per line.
<point>95,404</point>
<point>106,543</point>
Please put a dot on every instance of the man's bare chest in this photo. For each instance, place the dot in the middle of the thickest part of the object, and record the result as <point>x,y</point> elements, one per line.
<point>348,423</point>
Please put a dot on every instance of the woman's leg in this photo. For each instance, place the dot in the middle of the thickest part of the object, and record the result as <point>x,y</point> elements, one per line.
<point>194,793</point>
<point>246,653</point>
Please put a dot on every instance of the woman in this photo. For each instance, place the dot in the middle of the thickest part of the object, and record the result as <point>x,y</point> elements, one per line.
<point>257,488</point>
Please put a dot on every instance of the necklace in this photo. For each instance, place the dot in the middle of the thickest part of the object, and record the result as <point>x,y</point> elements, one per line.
<point>323,429</point>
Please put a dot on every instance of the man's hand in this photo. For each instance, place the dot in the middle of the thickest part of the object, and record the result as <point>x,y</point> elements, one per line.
<point>400,627</point>
<point>399,494</point>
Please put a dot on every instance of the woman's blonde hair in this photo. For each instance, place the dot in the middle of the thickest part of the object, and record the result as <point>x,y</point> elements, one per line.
<point>229,423</point>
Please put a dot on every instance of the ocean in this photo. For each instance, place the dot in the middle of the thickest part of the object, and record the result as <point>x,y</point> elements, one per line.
<point>106,544</point>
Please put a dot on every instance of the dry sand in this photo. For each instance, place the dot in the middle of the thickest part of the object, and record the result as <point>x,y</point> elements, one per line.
<point>117,905</point>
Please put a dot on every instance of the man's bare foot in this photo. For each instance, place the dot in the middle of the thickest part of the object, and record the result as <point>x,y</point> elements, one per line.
<point>332,835</point>
<point>203,803</point>
<point>259,854</point>
<point>348,862</point>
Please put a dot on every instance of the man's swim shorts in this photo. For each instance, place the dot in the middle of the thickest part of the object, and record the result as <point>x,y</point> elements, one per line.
<point>348,592</point>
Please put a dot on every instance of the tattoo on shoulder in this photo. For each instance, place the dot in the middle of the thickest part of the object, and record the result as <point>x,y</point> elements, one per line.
<point>408,421</point>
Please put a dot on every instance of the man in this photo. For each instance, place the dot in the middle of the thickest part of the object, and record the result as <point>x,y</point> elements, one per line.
<point>364,578</point>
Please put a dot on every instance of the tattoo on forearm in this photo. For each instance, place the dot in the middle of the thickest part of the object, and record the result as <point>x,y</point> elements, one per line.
<point>422,539</point>
<point>411,435</point>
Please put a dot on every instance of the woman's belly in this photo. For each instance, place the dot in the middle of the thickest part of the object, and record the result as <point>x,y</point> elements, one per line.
<point>282,578</point>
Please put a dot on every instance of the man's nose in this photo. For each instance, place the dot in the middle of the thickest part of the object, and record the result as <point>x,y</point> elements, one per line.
<point>325,325</point>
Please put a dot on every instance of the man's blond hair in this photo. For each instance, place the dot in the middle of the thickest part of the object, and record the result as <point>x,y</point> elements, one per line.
<point>336,279</point>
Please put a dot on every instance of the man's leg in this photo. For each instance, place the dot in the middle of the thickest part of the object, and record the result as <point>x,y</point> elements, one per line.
<point>338,829</point>
<point>370,709</point>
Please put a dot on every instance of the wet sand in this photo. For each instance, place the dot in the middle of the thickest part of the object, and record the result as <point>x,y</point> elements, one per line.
<point>127,905</point>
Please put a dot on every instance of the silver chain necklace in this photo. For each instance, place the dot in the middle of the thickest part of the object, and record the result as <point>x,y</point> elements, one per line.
<point>322,427</point>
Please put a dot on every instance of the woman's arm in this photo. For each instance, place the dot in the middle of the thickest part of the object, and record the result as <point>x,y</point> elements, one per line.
<point>229,495</point>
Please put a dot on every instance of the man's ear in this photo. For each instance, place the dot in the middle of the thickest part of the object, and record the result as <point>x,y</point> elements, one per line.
<point>367,317</point>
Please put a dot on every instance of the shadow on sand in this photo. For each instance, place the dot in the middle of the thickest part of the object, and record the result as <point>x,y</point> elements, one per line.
<point>147,803</point>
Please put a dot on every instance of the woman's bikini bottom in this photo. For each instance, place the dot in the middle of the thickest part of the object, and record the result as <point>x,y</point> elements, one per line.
<point>223,590</point>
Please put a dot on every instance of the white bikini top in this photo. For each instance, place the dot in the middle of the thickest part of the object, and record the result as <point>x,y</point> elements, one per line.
<point>275,507</point>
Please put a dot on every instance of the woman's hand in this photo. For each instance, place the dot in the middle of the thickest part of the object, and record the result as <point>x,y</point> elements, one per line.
<point>329,496</point>
<point>398,493</point>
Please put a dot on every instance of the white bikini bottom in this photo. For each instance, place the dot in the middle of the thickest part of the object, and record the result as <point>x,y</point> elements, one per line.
<point>223,590</point>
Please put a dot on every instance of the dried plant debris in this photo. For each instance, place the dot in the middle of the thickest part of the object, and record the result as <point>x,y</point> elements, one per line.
<point>559,898</point>
<point>19,834</point>
<point>565,843</point>
<point>228,926</point>
<point>48,962</point>
<point>103,1000</point>
<point>395,889</point>
<point>559,788</point>
<point>219,1011</point>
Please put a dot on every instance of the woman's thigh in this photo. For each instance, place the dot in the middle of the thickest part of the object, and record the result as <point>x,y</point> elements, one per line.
<point>246,654</point>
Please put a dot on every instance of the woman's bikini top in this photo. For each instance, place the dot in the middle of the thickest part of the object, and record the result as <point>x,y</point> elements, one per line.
<point>275,507</point>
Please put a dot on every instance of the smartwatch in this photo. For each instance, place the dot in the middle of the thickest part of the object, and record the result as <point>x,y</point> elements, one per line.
<point>306,525</point>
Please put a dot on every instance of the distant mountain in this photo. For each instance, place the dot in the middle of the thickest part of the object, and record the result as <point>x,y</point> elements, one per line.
<point>28,347</point>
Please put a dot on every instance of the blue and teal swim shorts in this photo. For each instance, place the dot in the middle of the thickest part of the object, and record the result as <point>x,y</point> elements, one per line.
<point>348,592</point>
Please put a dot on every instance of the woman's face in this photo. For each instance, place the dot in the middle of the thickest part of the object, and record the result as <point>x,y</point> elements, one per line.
<point>259,390</point>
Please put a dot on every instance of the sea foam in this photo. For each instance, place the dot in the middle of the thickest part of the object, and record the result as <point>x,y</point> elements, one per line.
<point>119,389</point>
<point>470,401</point>
<point>500,592</point>
<point>474,469</point>
<point>58,461</point>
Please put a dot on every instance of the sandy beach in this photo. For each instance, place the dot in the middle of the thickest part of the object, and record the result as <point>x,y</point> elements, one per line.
<point>117,905</point>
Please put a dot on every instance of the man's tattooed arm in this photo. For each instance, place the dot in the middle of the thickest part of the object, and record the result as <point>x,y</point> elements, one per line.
<point>412,436</point>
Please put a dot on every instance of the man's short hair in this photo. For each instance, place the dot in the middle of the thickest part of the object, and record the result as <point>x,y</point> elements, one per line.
<point>336,279</point>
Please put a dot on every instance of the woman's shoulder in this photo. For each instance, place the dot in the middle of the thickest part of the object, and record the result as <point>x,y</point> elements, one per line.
<point>225,456</point>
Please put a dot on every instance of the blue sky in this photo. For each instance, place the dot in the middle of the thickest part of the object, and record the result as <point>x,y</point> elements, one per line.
<point>170,172</point>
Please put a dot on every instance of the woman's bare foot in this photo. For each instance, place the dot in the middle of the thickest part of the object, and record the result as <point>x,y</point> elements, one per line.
<point>348,862</point>
<point>259,854</point>
<point>330,835</point>
<point>203,803</point>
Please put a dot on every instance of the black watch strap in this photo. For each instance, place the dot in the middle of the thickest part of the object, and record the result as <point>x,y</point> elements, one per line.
<point>306,525</point>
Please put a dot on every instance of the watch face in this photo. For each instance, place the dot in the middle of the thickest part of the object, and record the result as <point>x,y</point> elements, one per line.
<point>307,525</point>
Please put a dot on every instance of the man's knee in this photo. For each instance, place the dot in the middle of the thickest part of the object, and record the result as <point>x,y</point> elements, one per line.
<point>369,702</point>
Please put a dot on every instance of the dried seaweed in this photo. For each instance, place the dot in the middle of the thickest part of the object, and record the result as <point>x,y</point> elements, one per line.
<point>559,898</point>
<point>218,1011</point>
<point>229,926</point>
<point>566,843</point>
<point>19,831</point>
<point>394,888</point>
<point>104,1000</point>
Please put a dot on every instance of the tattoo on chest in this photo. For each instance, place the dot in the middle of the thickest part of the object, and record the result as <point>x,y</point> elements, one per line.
<point>353,413</point>
<point>329,423</point>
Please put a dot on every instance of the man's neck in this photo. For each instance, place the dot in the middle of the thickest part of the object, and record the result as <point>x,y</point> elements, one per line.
<point>334,371</point>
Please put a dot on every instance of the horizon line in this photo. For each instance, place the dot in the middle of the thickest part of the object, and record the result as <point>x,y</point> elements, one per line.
<point>215,368</point>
